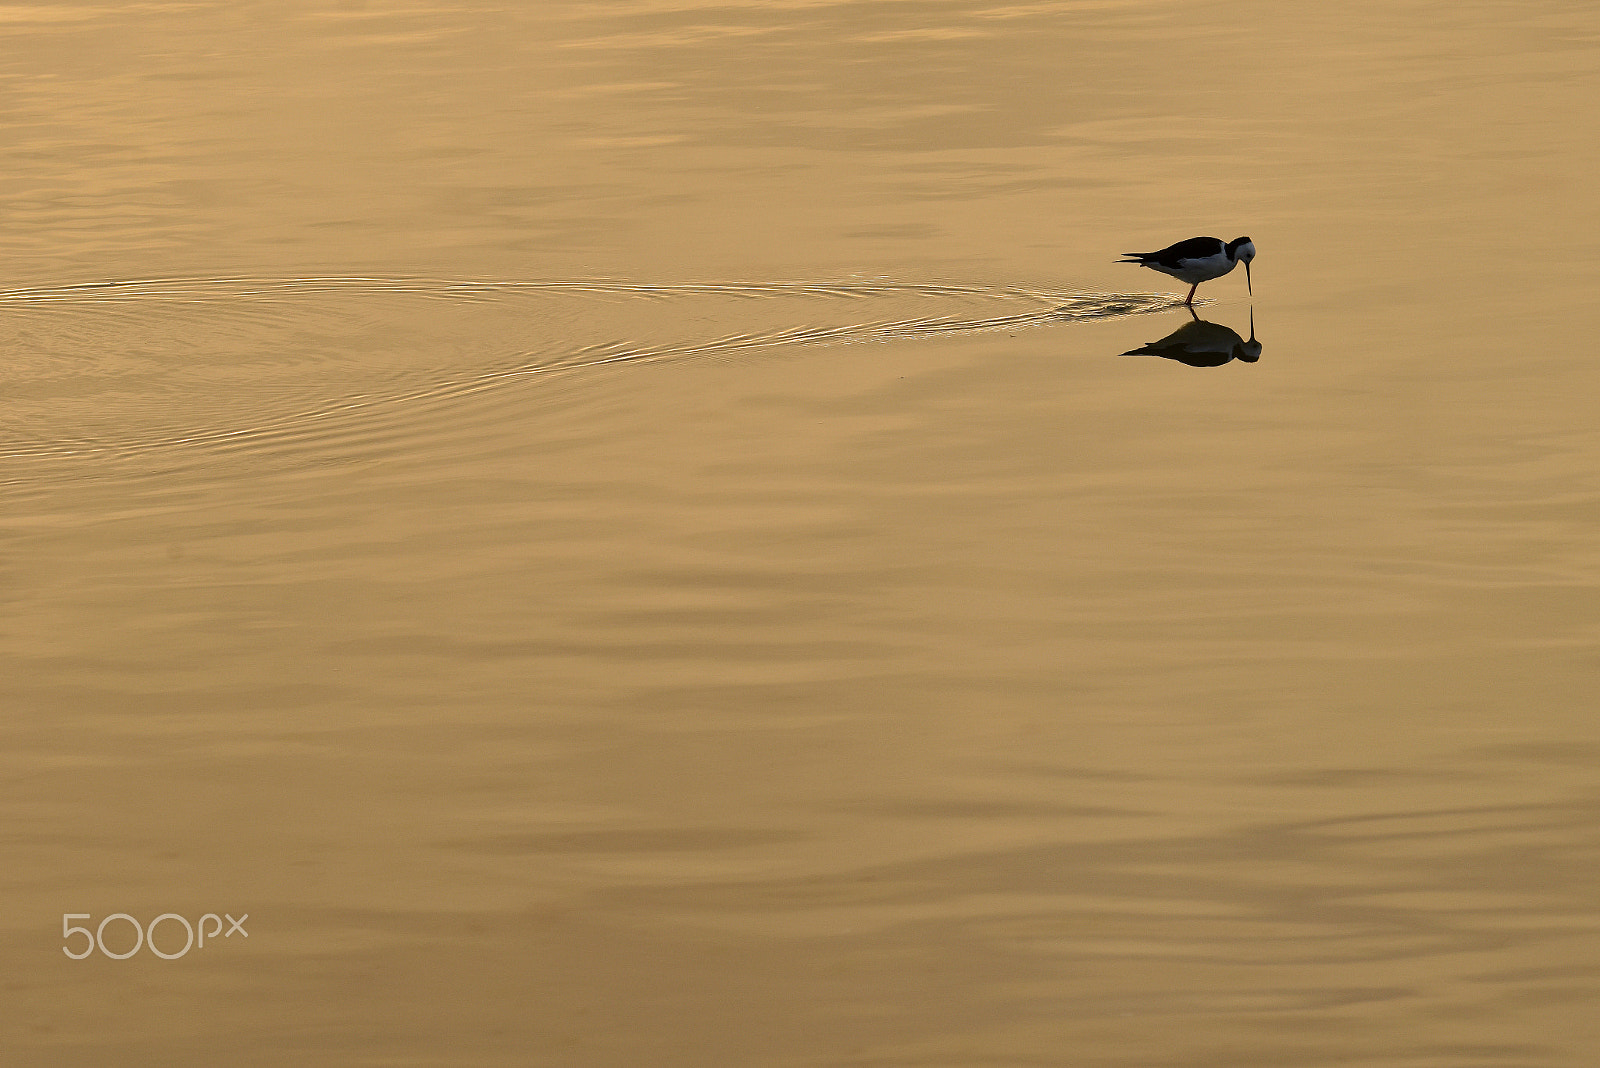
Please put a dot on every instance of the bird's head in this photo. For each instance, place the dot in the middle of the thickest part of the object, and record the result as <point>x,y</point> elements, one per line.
<point>1243,250</point>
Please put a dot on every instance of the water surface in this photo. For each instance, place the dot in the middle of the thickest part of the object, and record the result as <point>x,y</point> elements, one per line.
<point>622,533</point>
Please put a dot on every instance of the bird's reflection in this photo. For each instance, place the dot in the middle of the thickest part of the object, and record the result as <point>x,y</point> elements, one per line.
<point>1203,344</point>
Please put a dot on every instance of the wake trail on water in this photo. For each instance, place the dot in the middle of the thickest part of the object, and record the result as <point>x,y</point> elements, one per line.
<point>279,310</point>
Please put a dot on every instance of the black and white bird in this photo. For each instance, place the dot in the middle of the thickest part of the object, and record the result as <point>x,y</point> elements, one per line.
<point>1199,259</point>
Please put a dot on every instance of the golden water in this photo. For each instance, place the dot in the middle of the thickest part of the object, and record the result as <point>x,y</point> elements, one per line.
<point>619,533</point>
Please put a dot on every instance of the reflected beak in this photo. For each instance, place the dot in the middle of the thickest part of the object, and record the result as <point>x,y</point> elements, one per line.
<point>1247,288</point>
<point>1250,351</point>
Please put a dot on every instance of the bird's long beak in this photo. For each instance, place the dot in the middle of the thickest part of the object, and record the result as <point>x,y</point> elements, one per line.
<point>1247,288</point>
<point>1252,310</point>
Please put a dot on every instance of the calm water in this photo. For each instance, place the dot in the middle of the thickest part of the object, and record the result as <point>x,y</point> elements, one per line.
<point>619,534</point>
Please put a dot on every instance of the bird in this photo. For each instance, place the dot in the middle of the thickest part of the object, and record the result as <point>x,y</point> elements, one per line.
<point>1203,344</point>
<point>1199,259</point>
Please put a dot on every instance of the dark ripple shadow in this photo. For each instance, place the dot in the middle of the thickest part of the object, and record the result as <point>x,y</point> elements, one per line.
<point>1379,887</point>
<point>1475,915</point>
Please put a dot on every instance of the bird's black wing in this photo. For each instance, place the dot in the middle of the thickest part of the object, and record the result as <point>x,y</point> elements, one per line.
<point>1196,248</point>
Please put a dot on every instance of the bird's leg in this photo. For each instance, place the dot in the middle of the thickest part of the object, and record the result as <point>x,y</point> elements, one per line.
<point>1192,288</point>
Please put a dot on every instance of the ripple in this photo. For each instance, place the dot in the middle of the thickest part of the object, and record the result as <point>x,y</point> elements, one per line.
<point>121,367</point>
